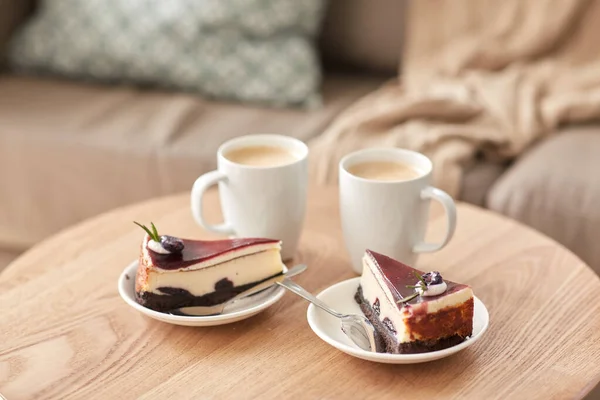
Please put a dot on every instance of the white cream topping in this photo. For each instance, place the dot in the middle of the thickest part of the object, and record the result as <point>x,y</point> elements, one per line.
<point>240,271</point>
<point>432,290</point>
<point>372,290</point>
<point>157,247</point>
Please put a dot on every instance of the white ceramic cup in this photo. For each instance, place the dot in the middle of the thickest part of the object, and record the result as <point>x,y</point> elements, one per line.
<point>390,217</point>
<point>258,201</point>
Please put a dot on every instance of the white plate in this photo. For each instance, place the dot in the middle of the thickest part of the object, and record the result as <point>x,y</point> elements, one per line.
<point>341,298</point>
<point>241,309</point>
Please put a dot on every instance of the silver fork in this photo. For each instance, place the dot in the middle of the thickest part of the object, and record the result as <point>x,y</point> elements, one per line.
<point>203,311</point>
<point>357,327</point>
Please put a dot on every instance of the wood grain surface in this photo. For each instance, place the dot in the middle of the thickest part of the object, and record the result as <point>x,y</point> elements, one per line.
<point>65,333</point>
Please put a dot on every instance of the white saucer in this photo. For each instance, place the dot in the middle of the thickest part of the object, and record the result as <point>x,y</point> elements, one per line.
<point>241,309</point>
<point>341,298</point>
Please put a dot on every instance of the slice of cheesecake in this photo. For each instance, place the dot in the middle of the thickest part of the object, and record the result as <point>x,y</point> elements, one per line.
<point>413,311</point>
<point>174,273</point>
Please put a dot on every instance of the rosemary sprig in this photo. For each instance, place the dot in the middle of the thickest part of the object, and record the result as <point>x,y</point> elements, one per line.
<point>421,286</point>
<point>155,231</point>
<point>409,298</point>
<point>152,233</point>
<point>421,279</point>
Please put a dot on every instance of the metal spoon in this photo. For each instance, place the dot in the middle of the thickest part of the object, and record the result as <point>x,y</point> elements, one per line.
<point>357,327</point>
<point>203,311</point>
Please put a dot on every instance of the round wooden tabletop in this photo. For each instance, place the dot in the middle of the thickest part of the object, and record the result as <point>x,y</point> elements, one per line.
<point>66,333</point>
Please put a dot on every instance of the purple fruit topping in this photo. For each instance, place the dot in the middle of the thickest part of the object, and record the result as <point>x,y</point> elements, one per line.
<point>433,278</point>
<point>172,244</point>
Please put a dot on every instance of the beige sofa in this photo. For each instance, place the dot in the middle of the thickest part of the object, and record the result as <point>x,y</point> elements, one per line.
<point>70,150</point>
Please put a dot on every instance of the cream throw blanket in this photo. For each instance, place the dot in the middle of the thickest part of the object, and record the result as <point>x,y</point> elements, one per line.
<point>480,77</point>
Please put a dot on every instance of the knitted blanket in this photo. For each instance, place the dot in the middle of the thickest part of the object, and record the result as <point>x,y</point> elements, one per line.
<point>480,78</point>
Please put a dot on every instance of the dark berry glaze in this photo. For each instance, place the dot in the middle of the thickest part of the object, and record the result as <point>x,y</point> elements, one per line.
<point>397,275</point>
<point>197,251</point>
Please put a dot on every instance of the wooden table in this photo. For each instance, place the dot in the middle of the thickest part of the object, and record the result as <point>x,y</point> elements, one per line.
<point>66,333</point>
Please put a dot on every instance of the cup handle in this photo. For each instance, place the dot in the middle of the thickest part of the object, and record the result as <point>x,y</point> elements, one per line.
<point>200,186</point>
<point>450,208</point>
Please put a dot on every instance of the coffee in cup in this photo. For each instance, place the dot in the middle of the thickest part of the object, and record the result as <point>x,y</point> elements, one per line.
<point>261,156</point>
<point>384,171</point>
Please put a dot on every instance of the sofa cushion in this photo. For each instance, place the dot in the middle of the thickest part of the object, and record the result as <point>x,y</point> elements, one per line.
<point>477,181</point>
<point>259,51</point>
<point>555,188</point>
<point>69,151</point>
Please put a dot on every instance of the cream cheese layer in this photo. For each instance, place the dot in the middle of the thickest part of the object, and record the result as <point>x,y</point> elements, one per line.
<point>200,281</point>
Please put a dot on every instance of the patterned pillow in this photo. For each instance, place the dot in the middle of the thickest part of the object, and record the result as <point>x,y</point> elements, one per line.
<point>248,50</point>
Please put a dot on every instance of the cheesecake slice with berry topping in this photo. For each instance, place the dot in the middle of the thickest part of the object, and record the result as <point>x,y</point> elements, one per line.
<point>175,273</point>
<point>413,311</point>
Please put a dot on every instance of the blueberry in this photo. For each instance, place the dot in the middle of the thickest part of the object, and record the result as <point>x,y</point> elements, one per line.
<point>437,278</point>
<point>427,278</point>
<point>172,244</point>
<point>433,278</point>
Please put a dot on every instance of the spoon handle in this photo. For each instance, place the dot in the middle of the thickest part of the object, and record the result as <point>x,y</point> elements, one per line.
<point>293,271</point>
<point>300,291</point>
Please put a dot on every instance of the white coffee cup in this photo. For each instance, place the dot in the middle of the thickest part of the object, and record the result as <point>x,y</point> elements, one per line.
<point>258,201</point>
<point>390,216</point>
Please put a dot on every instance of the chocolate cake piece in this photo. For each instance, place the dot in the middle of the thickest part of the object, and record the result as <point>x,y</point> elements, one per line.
<point>413,311</point>
<point>202,273</point>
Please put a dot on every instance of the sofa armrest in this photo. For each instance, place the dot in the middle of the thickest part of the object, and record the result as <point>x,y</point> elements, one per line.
<point>477,181</point>
<point>12,13</point>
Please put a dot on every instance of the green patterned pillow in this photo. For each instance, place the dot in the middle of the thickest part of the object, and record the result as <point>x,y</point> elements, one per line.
<point>247,50</point>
